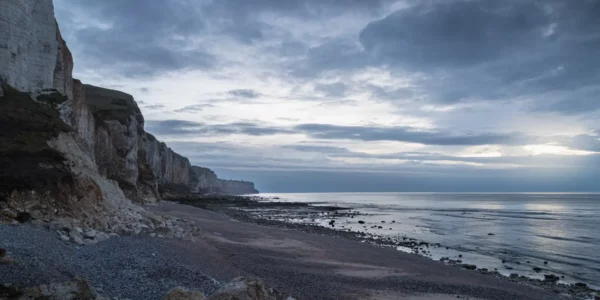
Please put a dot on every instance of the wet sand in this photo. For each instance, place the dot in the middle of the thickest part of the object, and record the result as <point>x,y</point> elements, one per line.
<point>317,266</point>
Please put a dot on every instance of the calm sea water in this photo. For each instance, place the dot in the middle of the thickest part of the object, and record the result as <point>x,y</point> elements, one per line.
<point>523,230</point>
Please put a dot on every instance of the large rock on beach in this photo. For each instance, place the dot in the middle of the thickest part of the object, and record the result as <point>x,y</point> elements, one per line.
<point>242,288</point>
<point>77,288</point>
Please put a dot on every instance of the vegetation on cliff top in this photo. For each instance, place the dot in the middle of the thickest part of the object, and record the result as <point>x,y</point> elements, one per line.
<point>112,105</point>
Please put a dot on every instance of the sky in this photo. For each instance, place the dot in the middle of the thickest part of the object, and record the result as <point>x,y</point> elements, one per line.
<point>352,95</point>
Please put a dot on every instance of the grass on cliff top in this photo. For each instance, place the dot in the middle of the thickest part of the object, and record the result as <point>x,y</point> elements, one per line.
<point>25,128</point>
<point>111,105</point>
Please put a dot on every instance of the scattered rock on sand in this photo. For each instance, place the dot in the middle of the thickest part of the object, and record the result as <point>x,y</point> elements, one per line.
<point>580,285</point>
<point>77,288</point>
<point>551,278</point>
<point>251,288</point>
<point>514,275</point>
<point>180,293</point>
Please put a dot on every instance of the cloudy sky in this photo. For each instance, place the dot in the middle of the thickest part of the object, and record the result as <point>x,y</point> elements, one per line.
<point>353,95</point>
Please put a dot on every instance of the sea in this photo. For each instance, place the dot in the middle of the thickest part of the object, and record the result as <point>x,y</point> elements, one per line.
<point>510,232</point>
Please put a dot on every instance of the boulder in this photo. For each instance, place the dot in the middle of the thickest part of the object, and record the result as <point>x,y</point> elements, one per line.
<point>242,288</point>
<point>5,258</point>
<point>180,293</point>
<point>551,278</point>
<point>77,288</point>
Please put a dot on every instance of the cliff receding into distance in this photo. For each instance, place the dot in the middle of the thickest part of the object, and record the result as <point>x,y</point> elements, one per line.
<point>67,146</point>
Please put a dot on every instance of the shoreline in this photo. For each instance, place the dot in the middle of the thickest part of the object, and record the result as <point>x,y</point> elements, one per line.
<point>305,265</point>
<point>237,207</point>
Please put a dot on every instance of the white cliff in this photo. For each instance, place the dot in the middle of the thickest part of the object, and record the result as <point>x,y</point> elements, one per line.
<point>76,150</point>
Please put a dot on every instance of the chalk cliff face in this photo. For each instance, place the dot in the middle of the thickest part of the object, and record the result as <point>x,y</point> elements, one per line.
<point>31,50</point>
<point>205,181</point>
<point>74,149</point>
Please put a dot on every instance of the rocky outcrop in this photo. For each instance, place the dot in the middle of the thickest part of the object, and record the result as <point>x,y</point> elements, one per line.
<point>171,170</point>
<point>237,187</point>
<point>145,168</point>
<point>119,127</point>
<point>205,181</point>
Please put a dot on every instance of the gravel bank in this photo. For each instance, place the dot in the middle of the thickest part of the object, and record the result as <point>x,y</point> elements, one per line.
<point>132,267</point>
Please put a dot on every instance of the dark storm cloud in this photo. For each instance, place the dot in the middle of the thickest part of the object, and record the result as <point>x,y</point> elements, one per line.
<point>408,134</point>
<point>244,93</point>
<point>181,127</point>
<point>496,50</point>
<point>139,38</point>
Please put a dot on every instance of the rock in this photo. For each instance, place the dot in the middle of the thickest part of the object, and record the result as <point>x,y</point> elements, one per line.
<point>76,237</point>
<point>77,288</point>
<point>545,262</point>
<point>491,234</point>
<point>241,288</point>
<point>180,293</point>
<point>551,278</point>
<point>164,231</point>
<point>23,217</point>
<point>6,260</point>
<point>63,237</point>
<point>90,234</point>
<point>514,275</point>
<point>537,269</point>
<point>101,236</point>
<point>469,267</point>
<point>361,222</point>
<point>2,252</point>
<point>580,285</point>
<point>8,213</point>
